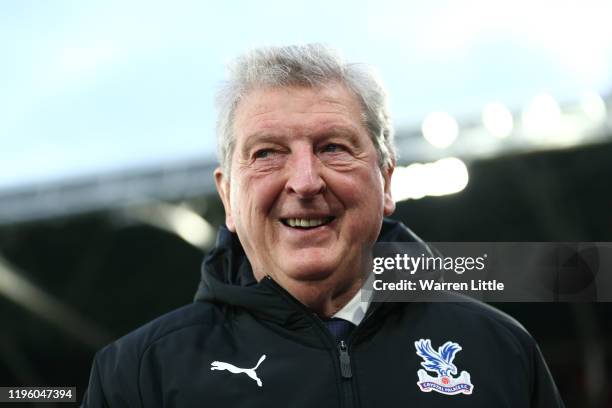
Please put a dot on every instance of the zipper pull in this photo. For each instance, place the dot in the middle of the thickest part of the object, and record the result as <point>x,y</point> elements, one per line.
<point>345,360</point>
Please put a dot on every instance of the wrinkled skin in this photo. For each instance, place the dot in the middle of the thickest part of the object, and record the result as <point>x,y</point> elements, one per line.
<point>305,153</point>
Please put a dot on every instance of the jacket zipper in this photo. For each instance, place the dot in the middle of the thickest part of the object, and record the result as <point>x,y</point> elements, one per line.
<point>347,374</point>
<point>343,348</point>
<point>345,360</point>
<point>346,371</point>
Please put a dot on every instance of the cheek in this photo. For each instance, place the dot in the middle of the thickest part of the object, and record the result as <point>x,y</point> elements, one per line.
<point>363,190</point>
<point>253,196</point>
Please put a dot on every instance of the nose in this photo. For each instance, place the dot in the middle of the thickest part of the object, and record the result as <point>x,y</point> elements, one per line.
<point>304,178</point>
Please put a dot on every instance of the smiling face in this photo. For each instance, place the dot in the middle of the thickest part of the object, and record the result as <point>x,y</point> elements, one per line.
<point>305,194</point>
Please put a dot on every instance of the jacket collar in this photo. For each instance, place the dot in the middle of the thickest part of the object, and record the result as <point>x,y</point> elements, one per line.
<point>227,277</point>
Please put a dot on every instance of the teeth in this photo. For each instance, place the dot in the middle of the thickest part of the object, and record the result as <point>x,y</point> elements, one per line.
<point>305,223</point>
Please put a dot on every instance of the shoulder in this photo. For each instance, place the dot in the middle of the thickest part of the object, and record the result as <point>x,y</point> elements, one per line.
<point>116,371</point>
<point>174,327</point>
<point>468,308</point>
<point>488,337</point>
<point>493,342</point>
<point>473,319</point>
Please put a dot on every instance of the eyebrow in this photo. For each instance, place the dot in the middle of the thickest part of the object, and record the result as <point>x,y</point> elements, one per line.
<point>260,137</point>
<point>266,137</point>
<point>341,131</point>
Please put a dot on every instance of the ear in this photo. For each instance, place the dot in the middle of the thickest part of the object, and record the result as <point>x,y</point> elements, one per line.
<point>388,203</point>
<point>223,188</point>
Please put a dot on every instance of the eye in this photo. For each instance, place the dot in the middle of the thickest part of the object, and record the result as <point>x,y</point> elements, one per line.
<point>332,148</point>
<point>263,154</point>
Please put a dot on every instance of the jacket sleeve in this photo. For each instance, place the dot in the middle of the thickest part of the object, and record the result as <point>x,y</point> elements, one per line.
<point>544,391</point>
<point>94,395</point>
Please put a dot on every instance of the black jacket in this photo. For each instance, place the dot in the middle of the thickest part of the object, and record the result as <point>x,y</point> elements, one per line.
<point>194,356</point>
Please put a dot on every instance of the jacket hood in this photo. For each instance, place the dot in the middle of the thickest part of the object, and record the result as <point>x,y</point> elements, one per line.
<point>227,277</point>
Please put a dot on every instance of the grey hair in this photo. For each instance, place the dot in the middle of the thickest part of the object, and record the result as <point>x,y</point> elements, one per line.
<point>310,65</point>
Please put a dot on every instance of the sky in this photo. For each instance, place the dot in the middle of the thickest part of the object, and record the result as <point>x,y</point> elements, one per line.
<point>100,86</point>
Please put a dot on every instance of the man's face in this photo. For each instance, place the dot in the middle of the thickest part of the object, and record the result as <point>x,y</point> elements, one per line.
<point>305,194</point>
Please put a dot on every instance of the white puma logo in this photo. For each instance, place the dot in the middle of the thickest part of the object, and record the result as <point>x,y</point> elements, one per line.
<point>220,365</point>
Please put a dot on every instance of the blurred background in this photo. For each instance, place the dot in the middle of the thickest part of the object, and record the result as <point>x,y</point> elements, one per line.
<point>503,121</point>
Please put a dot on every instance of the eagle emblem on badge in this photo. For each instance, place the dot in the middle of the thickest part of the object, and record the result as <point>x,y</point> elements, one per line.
<point>440,362</point>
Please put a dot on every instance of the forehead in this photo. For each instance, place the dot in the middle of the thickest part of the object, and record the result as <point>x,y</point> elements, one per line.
<point>297,109</point>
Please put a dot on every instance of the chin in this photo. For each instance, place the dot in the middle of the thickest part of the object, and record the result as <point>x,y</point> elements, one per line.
<point>313,270</point>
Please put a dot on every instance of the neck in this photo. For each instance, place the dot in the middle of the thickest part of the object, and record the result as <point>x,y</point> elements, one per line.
<point>321,297</point>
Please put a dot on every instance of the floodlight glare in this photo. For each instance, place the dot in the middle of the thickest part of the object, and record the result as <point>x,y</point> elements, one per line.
<point>440,129</point>
<point>497,119</point>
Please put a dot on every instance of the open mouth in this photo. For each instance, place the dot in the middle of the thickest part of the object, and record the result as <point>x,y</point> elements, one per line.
<point>306,223</point>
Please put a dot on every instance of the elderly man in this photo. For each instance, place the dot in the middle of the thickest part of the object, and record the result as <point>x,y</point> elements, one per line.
<point>306,159</point>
